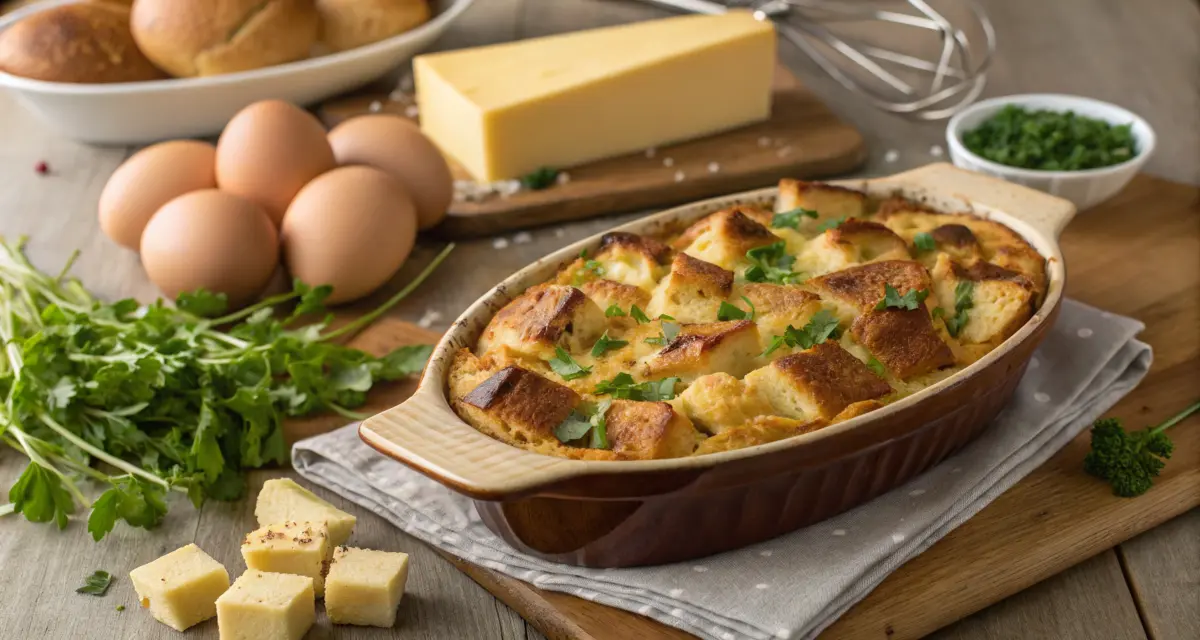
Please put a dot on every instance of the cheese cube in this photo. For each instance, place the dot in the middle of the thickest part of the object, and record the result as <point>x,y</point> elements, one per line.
<point>505,110</point>
<point>267,606</point>
<point>364,587</point>
<point>300,548</point>
<point>282,500</point>
<point>182,587</point>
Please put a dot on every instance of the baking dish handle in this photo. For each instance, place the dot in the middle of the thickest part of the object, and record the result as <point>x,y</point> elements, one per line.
<point>1047,214</point>
<point>424,433</point>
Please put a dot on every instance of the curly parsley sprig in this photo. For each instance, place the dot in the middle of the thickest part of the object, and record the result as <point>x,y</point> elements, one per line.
<point>1129,462</point>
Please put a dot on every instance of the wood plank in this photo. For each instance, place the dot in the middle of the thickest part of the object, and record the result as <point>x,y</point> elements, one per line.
<point>1163,569</point>
<point>1073,604</point>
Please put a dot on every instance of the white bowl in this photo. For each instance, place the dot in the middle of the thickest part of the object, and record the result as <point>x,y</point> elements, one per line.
<point>1085,188</point>
<point>140,112</point>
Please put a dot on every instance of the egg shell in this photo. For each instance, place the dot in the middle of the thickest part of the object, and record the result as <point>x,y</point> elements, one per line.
<point>149,179</point>
<point>214,240</point>
<point>350,228</point>
<point>396,146</point>
<point>269,151</point>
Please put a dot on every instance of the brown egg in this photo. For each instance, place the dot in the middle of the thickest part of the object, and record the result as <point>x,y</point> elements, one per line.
<point>269,151</point>
<point>397,146</point>
<point>351,228</point>
<point>149,179</point>
<point>213,240</point>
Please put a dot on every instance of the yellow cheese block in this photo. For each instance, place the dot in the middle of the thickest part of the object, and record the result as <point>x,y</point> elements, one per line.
<point>282,500</point>
<point>300,548</point>
<point>364,586</point>
<point>503,111</point>
<point>180,588</point>
<point>266,606</point>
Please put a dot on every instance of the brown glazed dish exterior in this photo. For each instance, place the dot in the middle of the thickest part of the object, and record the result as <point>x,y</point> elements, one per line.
<point>634,513</point>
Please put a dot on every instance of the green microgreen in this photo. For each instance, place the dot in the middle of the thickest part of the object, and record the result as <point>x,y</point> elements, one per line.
<point>771,263</point>
<point>963,301</point>
<point>624,387</point>
<point>821,327</point>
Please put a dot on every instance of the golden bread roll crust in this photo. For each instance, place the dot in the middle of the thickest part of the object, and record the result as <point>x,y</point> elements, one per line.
<point>78,43</point>
<point>688,350</point>
<point>349,24</point>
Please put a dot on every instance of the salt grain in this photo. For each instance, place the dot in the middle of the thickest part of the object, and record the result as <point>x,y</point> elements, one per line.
<point>407,84</point>
<point>668,162</point>
<point>560,232</point>
<point>891,156</point>
<point>562,178</point>
<point>936,151</point>
<point>714,167</point>
<point>376,106</point>
<point>679,176</point>
<point>428,319</point>
<point>500,243</point>
<point>397,96</point>
<point>523,237</point>
<point>764,142</point>
<point>785,151</point>
<point>412,111</point>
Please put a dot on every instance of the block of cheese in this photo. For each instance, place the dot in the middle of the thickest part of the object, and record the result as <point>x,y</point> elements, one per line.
<point>182,587</point>
<point>282,500</point>
<point>503,111</point>
<point>364,586</point>
<point>266,606</point>
<point>301,548</point>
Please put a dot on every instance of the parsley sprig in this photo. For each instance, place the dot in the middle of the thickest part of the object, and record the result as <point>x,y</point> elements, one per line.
<point>540,178</point>
<point>924,242</point>
<point>669,331</point>
<point>606,343</point>
<point>893,300</point>
<point>963,301</point>
<point>791,219</point>
<point>587,419</point>
<point>624,387</point>
<point>821,327</point>
<point>590,269</point>
<point>96,584</point>
<point>1129,462</point>
<point>173,399</point>
<point>565,366</point>
<point>831,223</point>
<point>771,263</point>
<point>730,312</point>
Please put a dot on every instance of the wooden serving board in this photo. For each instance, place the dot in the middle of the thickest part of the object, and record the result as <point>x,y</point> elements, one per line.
<point>802,139</point>
<point>1135,256</point>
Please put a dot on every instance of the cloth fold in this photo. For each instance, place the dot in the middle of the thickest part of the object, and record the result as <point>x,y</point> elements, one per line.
<point>793,586</point>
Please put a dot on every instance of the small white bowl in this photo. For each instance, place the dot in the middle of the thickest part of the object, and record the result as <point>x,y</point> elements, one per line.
<point>1085,188</point>
<point>140,112</point>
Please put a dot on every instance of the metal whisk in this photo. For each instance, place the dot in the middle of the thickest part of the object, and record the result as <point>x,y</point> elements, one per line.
<point>952,81</point>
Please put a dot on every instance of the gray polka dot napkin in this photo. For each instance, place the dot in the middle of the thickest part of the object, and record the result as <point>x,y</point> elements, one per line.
<point>794,586</point>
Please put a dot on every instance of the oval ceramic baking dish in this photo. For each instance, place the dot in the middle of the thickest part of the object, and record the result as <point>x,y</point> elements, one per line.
<point>629,513</point>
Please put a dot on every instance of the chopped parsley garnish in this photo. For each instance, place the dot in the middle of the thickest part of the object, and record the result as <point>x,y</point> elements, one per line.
<point>96,584</point>
<point>924,242</point>
<point>831,223</point>
<point>771,263</point>
<point>962,302</point>
<point>875,365</point>
<point>584,420</point>
<point>1050,140</point>
<point>669,331</point>
<point>623,386</point>
<point>590,268</point>
<point>938,312</point>
<point>893,300</point>
<point>638,315</point>
<point>539,179</point>
<point>613,311</point>
<point>606,343</point>
<point>821,327</point>
<point>791,219</point>
<point>566,367</point>
<point>731,312</point>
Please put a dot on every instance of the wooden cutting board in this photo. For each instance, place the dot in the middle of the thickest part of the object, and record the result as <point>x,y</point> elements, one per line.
<point>1136,256</point>
<point>802,139</point>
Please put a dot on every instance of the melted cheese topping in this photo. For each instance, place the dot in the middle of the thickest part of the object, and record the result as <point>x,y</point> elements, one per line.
<point>916,295</point>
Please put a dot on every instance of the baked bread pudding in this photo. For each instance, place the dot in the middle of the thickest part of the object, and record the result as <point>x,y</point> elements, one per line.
<point>747,327</point>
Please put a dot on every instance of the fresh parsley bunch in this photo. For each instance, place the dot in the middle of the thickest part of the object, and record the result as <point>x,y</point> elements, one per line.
<point>1131,461</point>
<point>147,399</point>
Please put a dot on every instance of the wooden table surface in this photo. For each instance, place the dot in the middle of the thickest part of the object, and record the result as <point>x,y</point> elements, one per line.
<point>1145,56</point>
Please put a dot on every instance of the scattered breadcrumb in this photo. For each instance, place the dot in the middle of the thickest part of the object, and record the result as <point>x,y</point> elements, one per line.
<point>471,191</point>
<point>376,106</point>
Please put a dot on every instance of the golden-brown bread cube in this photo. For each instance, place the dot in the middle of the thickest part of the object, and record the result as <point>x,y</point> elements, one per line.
<point>816,383</point>
<point>517,406</point>
<point>856,409</point>
<point>700,349</point>
<point>648,430</point>
<point>719,401</point>
<point>858,289</point>
<point>1002,300</point>
<point>625,257</point>
<point>777,306</point>
<point>1024,260</point>
<point>542,318</point>
<point>607,293</point>
<point>827,200</point>
<point>903,341</point>
<point>692,291</point>
<point>724,237</point>
<point>853,242</point>
<point>759,430</point>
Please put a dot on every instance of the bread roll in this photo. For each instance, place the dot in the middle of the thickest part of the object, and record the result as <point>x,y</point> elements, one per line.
<point>83,43</point>
<point>209,37</point>
<point>346,24</point>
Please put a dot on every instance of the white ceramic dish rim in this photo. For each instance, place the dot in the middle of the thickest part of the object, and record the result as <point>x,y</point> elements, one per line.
<point>919,184</point>
<point>117,88</point>
<point>1146,143</point>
